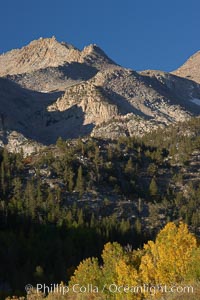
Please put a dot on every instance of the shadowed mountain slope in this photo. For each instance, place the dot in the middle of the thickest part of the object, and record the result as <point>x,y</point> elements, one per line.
<point>50,89</point>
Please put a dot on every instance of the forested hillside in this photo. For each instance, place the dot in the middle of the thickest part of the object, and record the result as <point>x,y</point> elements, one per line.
<point>63,204</point>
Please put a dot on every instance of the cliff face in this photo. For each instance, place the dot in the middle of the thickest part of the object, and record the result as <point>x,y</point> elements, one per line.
<point>96,106</point>
<point>52,89</point>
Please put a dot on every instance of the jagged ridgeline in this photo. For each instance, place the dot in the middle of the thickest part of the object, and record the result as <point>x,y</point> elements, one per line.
<point>50,89</point>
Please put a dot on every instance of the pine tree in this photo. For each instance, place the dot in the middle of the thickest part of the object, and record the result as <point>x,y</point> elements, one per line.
<point>29,199</point>
<point>110,153</point>
<point>153,189</point>
<point>71,181</point>
<point>80,218</point>
<point>92,221</point>
<point>60,143</point>
<point>129,169</point>
<point>3,184</point>
<point>80,182</point>
<point>138,226</point>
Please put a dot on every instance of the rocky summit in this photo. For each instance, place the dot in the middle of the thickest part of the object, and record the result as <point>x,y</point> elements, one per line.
<point>50,90</point>
<point>190,69</point>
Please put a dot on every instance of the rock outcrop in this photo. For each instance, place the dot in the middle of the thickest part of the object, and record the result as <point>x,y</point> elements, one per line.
<point>47,65</point>
<point>39,54</point>
<point>50,89</point>
<point>92,100</point>
<point>190,69</point>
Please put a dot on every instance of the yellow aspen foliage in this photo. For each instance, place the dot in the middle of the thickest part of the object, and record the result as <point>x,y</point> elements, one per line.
<point>172,259</point>
<point>112,252</point>
<point>168,260</point>
<point>127,277</point>
<point>88,272</point>
<point>194,267</point>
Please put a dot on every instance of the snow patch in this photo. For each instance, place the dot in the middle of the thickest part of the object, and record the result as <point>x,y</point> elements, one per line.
<point>196,101</point>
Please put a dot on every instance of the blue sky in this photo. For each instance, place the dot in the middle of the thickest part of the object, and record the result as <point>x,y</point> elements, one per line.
<point>139,34</point>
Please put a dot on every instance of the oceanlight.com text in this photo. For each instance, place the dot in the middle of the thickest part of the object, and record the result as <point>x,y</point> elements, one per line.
<point>112,288</point>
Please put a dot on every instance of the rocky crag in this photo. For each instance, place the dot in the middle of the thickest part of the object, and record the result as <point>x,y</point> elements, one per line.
<point>50,89</point>
<point>190,69</point>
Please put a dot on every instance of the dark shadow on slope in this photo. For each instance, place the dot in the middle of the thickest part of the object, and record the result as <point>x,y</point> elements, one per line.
<point>66,124</point>
<point>12,90</point>
<point>177,90</point>
<point>2,127</point>
<point>123,104</point>
<point>77,71</point>
<point>26,112</point>
<point>53,78</point>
